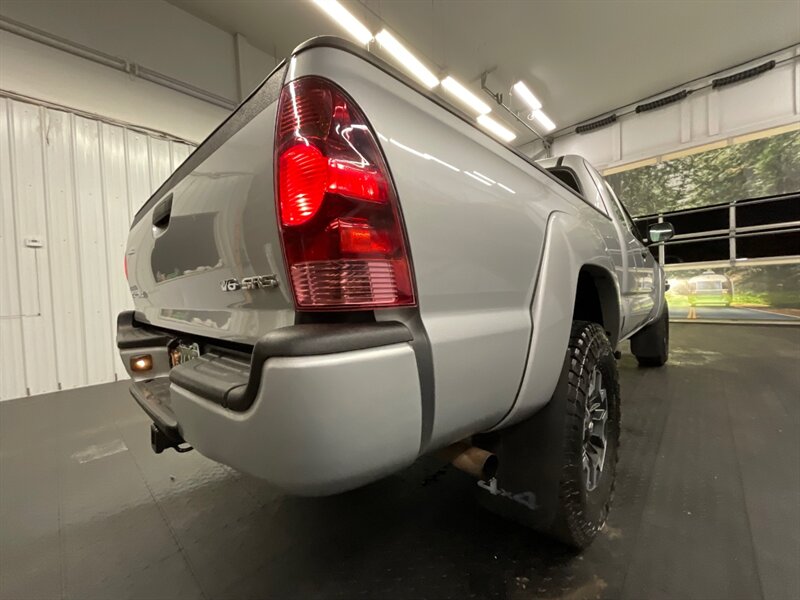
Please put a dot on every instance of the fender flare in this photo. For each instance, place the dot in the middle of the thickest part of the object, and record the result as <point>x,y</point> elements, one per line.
<point>570,244</point>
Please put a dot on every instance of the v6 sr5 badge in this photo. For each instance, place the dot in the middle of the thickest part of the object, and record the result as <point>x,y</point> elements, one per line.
<point>249,283</point>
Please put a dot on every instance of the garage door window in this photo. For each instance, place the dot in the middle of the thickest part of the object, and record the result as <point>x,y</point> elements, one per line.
<point>768,166</point>
<point>736,212</point>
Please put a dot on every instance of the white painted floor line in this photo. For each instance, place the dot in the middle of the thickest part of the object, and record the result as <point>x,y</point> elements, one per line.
<point>100,451</point>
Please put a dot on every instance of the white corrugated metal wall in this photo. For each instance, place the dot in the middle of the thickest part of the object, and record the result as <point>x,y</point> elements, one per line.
<point>74,183</point>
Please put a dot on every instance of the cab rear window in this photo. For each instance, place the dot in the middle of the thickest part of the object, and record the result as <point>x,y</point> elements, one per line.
<point>567,177</point>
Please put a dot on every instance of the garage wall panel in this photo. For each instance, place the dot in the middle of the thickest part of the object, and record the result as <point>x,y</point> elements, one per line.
<point>33,265</point>
<point>117,216</point>
<point>137,150</point>
<point>698,109</point>
<point>62,247</point>
<point>657,129</point>
<point>180,152</point>
<point>12,372</point>
<point>708,115</point>
<point>92,251</point>
<point>770,99</point>
<point>596,146</point>
<point>160,163</point>
<point>74,183</point>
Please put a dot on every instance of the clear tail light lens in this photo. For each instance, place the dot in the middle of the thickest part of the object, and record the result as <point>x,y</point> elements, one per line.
<point>340,221</point>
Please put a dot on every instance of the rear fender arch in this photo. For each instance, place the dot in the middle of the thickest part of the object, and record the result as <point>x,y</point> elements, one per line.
<point>572,247</point>
<point>597,299</point>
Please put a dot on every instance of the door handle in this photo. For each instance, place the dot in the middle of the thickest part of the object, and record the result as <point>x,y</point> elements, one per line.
<point>161,215</point>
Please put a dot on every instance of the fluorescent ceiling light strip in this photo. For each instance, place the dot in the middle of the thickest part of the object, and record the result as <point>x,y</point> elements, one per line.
<point>408,60</point>
<point>489,179</point>
<point>347,21</point>
<point>467,97</point>
<point>506,188</point>
<point>521,90</point>
<point>476,178</point>
<point>543,120</point>
<point>503,133</point>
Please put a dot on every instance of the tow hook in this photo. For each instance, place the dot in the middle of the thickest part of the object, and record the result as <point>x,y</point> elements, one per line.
<point>160,441</point>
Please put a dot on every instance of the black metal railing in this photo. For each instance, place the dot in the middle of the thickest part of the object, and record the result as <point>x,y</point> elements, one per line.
<point>752,228</point>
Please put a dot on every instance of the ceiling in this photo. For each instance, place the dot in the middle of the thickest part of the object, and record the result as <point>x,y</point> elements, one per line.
<point>580,57</point>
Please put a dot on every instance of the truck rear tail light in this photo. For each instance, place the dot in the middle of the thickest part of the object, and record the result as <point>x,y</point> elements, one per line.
<point>338,212</point>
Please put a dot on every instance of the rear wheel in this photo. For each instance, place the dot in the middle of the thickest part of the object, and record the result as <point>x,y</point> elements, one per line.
<point>651,345</point>
<point>556,470</point>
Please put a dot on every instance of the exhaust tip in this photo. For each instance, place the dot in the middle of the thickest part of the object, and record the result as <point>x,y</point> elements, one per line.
<point>474,461</point>
<point>490,466</point>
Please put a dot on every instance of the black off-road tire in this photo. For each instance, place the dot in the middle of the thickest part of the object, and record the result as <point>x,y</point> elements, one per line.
<point>541,481</point>
<point>650,346</point>
<point>582,512</point>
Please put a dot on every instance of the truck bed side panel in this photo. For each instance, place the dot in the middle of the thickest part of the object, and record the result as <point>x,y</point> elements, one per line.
<point>475,215</point>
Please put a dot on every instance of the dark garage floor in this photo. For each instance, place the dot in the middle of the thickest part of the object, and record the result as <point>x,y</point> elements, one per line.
<point>707,504</point>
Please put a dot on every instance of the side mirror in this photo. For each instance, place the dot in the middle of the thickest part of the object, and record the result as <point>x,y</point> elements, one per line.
<point>660,232</point>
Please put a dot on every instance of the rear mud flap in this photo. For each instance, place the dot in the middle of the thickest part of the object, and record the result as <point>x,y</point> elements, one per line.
<point>530,454</point>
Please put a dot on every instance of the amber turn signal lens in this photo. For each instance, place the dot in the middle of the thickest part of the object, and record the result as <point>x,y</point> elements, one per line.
<point>141,363</point>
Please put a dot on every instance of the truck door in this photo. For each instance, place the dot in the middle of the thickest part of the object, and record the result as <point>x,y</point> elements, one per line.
<point>638,285</point>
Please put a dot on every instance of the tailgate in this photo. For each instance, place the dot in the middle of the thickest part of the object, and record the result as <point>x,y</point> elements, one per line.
<point>204,254</point>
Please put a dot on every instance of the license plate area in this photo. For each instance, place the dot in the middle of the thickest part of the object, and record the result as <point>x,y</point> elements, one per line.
<point>184,353</point>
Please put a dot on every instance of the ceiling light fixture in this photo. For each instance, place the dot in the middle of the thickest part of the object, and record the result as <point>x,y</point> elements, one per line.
<point>467,97</point>
<point>408,60</point>
<point>503,133</point>
<point>543,120</point>
<point>346,20</point>
<point>521,90</point>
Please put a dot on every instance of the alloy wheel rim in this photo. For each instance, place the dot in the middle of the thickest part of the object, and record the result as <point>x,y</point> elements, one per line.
<point>595,439</point>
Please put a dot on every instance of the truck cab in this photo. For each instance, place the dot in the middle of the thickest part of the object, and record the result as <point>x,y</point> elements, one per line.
<point>640,277</point>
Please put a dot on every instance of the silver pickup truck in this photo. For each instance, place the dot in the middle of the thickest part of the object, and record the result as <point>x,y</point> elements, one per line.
<point>348,274</point>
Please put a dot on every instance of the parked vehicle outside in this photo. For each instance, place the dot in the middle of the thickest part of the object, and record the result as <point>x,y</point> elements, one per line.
<point>710,288</point>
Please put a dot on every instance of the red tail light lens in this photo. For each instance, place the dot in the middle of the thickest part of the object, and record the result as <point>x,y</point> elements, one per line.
<point>338,212</point>
<point>304,177</point>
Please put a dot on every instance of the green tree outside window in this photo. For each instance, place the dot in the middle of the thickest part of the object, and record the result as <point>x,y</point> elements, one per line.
<point>761,167</point>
